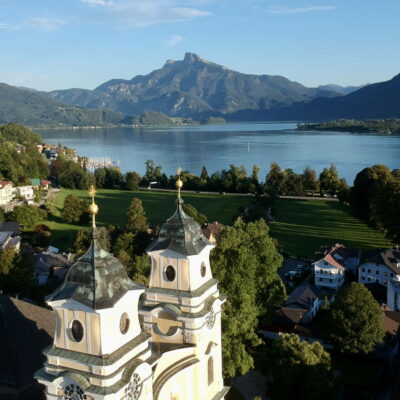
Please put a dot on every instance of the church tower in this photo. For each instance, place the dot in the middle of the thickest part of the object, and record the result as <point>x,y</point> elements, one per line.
<point>99,350</point>
<point>182,312</point>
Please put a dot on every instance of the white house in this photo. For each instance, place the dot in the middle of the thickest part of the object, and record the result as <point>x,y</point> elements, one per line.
<point>331,264</point>
<point>25,192</point>
<point>7,192</point>
<point>380,267</point>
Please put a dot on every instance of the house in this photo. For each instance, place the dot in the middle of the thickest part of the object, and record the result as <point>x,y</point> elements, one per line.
<point>50,265</point>
<point>7,192</point>
<point>331,263</point>
<point>25,330</point>
<point>212,231</point>
<point>35,183</point>
<point>45,184</point>
<point>25,192</point>
<point>10,236</point>
<point>380,266</point>
<point>389,349</point>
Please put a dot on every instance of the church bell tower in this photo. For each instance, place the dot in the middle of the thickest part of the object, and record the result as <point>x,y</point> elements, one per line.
<point>99,351</point>
<point>182,311</point>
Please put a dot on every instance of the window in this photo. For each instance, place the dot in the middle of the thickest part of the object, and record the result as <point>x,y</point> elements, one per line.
<point>330,280</point>
<point>376,280</point>
<point>369,271</point>
<point>385,282</point>
<point>392,274</point>
<point>170,273</point>
<point>74,392</point>
<point>124,323</point>
<point>77,330</point>
<point>385,274</point>
<point>376,272</point>
<point>363,278</point>
<point>320,279</point>
<point>363,269</point>
<point>325,263</point>
<point>210,370</point>
<point>203,270</point>
<point>369,279</point>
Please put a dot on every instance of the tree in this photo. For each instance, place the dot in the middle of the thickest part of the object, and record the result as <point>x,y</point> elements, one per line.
<point>7,261</point>
<point>275,180</point>
<point>245,261</point>
<point>100,175</point>
<point>300,370</point>
<point>355,320</point>
<point>74,208</point>
<point>195,214</point>
<point>132,180</point>
<point>27,215</point>
<point>329,180</point>
<point>310,181</point>
<point>343,191</point>
<point>136,217</point>
<point>72,176</point>
<point>366,184</point>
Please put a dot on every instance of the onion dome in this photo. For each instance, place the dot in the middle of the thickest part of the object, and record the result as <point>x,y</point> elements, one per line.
<point>181,233</point>
<point>97,279</point>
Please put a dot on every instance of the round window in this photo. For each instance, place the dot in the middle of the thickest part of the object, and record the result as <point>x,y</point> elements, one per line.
<point>77,330</point>
<point>170,273</point>
<point>203,270</point>
<point>124,323</point>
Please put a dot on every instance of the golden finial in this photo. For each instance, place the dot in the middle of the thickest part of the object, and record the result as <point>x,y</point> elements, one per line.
<point>179,183</point>
<point>93,208</point>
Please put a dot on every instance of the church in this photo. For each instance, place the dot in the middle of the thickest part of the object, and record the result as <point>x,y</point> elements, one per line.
<point>117,340</point>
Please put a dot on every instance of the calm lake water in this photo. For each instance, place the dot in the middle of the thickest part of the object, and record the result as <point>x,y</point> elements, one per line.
<point>218,146</point>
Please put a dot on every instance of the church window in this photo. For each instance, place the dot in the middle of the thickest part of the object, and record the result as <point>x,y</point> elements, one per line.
<point>124,323</point>
<point>134,387</point>
<point>74,392</point>
<point>210,370</point>
<point>77,331</point>
<point>170,273</point>
<point>203,270</point>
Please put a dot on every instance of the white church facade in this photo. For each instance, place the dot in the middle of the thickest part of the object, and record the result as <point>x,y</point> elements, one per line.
<point>101,350</point>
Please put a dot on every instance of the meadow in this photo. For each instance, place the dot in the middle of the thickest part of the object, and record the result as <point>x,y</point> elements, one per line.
<point>301,226</point>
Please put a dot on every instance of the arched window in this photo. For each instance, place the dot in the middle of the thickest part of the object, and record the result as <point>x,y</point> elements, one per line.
<point>210,370</point>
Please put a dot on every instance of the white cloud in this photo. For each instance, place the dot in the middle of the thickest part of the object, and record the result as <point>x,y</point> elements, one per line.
<point>8,27</point>
<point>297,10</point>
<point>44,24</point>
<point>173,41</point>
<point>99,2</point>
<point>140,13</point>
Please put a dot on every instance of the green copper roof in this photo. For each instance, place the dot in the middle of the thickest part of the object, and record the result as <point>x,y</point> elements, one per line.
<point>181,234</point>
<point>97,279</point>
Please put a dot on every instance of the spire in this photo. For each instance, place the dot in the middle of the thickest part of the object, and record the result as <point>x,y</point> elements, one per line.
<point>93,209</point>
<point>179,183</point>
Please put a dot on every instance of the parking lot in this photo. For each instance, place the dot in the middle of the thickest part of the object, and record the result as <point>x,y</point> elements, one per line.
<point>289,264</point>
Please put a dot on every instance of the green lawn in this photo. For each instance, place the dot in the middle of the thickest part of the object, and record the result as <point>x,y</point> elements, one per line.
<point>159,206</point>
<point>302,226</point>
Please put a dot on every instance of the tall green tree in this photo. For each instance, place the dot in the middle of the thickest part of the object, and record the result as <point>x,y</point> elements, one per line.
<point>300,370</point>
<point>310,181</point>
<point>355,320</point>
<point>329,180</point>
<point>132,180</point>
<point>136,217</point>
<point>275,180</point>
<point>245,261</point>
<point>73,209</point>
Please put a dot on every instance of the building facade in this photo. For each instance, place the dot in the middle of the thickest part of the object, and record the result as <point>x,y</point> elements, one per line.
<point>7,192</point>
<point>102,351</point>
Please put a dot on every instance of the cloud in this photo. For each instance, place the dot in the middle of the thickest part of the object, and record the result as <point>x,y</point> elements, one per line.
<point>8,27</point>
<point>44,24</point>
<point>140,13</point>
<point>173,41</point>
<point>296,10</point>
<point>98,2</point>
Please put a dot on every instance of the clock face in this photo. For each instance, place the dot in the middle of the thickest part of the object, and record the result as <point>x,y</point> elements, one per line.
<point>134,387</point>
<point>211,319</point>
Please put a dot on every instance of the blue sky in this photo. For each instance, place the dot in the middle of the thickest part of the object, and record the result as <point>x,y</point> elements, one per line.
<point>57,44</point>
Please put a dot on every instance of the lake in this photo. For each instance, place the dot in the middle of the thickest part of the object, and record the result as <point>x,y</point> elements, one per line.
<point>218,146</point>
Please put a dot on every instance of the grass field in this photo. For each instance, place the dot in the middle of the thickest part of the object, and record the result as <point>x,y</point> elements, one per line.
<point>159,206</point>
<point>302,226</point>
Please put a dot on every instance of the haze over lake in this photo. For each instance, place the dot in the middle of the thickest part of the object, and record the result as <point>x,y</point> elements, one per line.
<point>218,146</point>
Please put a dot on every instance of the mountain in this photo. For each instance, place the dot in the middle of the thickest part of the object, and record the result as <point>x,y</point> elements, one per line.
<point>340,89</point>
<point>378,100</point>
<point>192,87</point>
<point>28,107</point>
